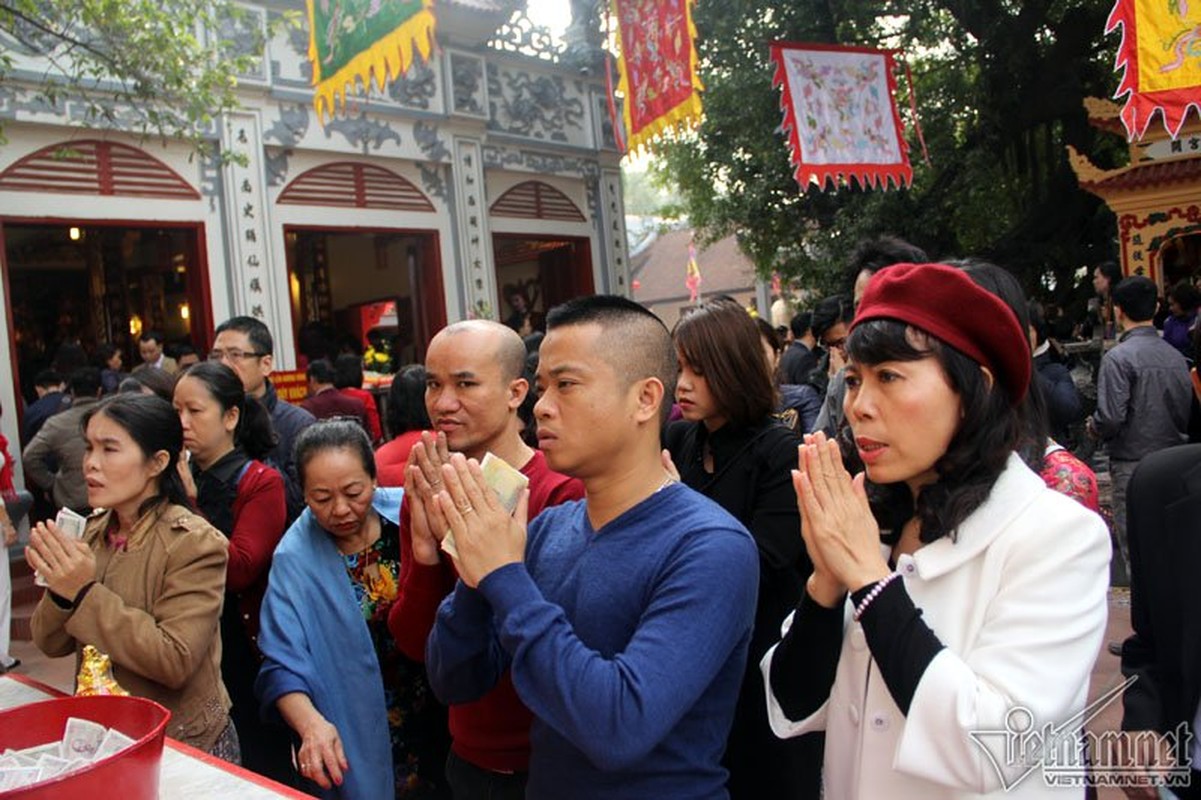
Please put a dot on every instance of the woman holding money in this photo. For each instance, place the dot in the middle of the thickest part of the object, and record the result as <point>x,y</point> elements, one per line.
<point>226,432</point>
<point>953,593</point>
<point>145,581</point>
<point>362,711</point>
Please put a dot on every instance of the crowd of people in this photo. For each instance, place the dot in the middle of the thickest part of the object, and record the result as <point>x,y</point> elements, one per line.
<point>744,565</point>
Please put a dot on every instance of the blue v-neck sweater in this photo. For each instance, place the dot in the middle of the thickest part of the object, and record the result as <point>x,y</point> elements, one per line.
<point>627,643</point>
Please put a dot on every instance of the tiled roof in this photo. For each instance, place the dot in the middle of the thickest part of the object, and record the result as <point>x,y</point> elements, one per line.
<point>1156,173</point>
<point>660,269</point>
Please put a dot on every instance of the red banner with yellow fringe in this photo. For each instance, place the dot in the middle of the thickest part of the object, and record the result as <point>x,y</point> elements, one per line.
<point>1160,56</point>
<point>355,42</point>
<point>656,40</point>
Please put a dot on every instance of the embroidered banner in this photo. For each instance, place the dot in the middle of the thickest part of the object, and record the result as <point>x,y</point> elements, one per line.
<point>840,114</point>
<point>364,41</point>
<point>657,64</point>
<point>1160,57</point>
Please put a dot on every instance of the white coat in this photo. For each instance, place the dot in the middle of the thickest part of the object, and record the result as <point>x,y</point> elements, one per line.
<point>1019,601</point>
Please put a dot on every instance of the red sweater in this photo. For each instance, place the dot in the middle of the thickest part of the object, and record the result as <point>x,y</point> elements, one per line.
<point>373,426</point>
<point>391,459</point>
<point>494,731</point>
<point>260,518</point>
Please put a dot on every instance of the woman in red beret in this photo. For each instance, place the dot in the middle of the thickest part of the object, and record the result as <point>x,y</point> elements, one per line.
<point>976,595</point>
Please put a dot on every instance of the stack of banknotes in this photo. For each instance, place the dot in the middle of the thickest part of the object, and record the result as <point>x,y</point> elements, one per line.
<point>72,525</point>
<point>504,479</point>
<point>83,743</point>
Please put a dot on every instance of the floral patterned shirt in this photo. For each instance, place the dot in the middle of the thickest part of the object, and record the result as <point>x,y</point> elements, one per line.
<point>420,737</point>
<point>1068,475</point>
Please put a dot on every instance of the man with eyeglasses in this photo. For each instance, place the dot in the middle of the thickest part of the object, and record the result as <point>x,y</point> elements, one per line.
<point>870,256</point>
<point>245,345</point>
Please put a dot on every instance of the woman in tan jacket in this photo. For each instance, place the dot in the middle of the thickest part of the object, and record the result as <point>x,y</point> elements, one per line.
<point>146,583</point>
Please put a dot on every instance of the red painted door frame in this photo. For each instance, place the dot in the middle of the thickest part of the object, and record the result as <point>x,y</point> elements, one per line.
<point>201,312</point>
<point>428,318</point>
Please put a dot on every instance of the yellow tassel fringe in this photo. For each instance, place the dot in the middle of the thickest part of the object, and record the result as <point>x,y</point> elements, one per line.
<point>391,56</point>
<point>685,114</point>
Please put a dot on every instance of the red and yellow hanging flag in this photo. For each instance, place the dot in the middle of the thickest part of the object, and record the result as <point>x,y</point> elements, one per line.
<point>364,41</point>
<point>692,276</point>
<point>1160,55</point>
<point>656,40</point>
<point>840,114</point>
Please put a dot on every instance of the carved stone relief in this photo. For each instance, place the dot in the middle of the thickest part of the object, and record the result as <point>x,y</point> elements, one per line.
<point>291,125</point>
<point>275,163</point>
<point>416,89</point>
<point>604,120</point>
<point>467,85</point>
<point>210,180</point>
<point>430,143</point>
<point>363,133</point>
<point>534,105</point>
<point>293,46</point>
<point>497,157</point>
<point>244,36</point>
<point>433,180</point>
<point>16,101</point>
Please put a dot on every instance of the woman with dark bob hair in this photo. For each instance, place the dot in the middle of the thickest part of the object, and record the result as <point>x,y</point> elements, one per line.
<point>226,433</point>
<point>731,448</point>
<point>407,418</point>
<point>367,725</point>
<point>146,582</point>
<point>974,591</point>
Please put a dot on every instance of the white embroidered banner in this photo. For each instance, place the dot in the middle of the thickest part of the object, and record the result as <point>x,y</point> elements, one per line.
<point>840,114</point>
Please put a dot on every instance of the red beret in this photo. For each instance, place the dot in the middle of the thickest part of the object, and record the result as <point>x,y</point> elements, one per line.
<point>947,304</point>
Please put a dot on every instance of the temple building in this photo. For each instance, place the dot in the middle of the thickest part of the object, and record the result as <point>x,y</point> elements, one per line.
<point>1156,197</point>
<point>486,174</point>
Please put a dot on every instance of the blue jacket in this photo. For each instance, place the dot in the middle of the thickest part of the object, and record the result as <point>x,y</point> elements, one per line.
<point>314,640</point>
<point>287,421</point>
<point>628,644</point>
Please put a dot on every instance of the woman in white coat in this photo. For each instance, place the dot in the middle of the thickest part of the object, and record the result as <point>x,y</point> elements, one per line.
<point>957,604</point>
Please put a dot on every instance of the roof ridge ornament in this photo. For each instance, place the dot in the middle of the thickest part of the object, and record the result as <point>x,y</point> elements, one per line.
<point>523,36</point>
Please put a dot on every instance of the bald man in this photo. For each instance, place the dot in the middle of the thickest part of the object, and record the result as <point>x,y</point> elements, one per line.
<point>474,386</point>
<point>625,618</point>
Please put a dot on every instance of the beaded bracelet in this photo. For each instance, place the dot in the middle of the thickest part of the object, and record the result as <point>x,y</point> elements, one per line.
<point>873,594</point>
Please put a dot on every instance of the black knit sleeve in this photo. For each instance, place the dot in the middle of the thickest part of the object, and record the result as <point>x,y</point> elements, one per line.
<point>900,640</point>
<point>806,659</point>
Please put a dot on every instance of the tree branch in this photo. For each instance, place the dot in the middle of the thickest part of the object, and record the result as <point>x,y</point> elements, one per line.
<point>61,35</point>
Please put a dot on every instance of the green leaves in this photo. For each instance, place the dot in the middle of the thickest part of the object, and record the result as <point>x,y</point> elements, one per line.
<point>162,68</point>
<point>999,89</point>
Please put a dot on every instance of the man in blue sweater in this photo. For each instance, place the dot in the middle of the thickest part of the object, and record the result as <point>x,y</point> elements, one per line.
<point>625,617</point>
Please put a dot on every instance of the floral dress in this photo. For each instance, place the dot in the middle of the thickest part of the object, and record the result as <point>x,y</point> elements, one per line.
<point>420,737</point>
<point>1067,474</point>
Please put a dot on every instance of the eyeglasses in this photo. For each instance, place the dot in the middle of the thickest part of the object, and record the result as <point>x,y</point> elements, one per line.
<point>840,344</point>
<point>232,354</point>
